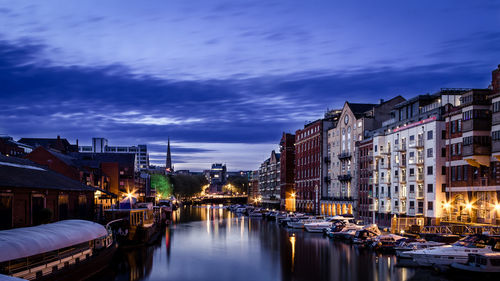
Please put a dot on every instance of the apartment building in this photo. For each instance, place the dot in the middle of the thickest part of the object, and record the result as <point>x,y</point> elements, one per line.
<point>270,181</point>
<point>340,194</point>
<point>287,166</point>
<point>408,159</point>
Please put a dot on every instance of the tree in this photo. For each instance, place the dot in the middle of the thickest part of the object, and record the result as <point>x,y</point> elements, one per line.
<point>187,185</point>
<point>162,185</point>
<point>240,183</point>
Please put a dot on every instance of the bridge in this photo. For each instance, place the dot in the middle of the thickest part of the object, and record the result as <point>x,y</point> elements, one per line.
<point>220,199</point>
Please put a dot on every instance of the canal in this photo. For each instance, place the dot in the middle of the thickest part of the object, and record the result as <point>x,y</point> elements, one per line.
<point>211,243</point>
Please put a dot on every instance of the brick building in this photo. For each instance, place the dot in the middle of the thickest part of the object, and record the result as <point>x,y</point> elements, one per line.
<point>287,151</point>
<point>364,156</point>
<point>28,191</point>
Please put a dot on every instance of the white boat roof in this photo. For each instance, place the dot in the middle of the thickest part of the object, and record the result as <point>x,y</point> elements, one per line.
<point>28,241</point>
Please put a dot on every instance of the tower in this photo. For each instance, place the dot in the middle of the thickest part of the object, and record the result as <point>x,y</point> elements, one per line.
<point>168,166</point>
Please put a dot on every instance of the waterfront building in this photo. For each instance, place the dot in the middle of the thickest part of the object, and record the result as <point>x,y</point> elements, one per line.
<point>31,194</point>
<point>472,183</point>
<point>408,159</point>
<point>340,195</point>
<point>287,166</point>
<point>100,145</point>
<point>218,177</point>
<point>311,162</point>
<point>269,181</point>
<point>253,188</point>
<point>364,159</point>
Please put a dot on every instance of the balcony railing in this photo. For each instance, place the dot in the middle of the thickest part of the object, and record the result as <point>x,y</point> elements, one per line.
<point>417,144</point>
<point>344,155</point>
<point>476,124</point>
<point>385,151</point>
<point>346,177</point>
<point>328,160</point>
<point>476,149</point>
<point>420,160</point>
<point>401,147</point>
<point>420,177</point>
<point>420,193</point>
<point>495,118</point>
<point>495,146</point>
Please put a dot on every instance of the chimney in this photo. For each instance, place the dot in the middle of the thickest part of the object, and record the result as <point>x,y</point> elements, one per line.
<point>381,101</point>
<point>58,137</point>
<point>77,142</point>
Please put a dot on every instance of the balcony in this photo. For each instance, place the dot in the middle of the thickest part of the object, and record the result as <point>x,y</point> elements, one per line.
<point>402,163</point>
<point>420,193</point>
<point>386,151</point>
<point>477,154</point>
<point>387,180</point>
<point>346,177</point>
<point>418,144</point>
<point>420,161</point>
<point>373,207</point>
<point>402,179</point>
<point>401,147</point>
<point>328,179</point>
<point>495,146</point>
<point>328,160</point>
<point>495,118</point>
<point>344,155</point>
<point>420,177</point>
<point>476,124</point>
<point>385,166</point>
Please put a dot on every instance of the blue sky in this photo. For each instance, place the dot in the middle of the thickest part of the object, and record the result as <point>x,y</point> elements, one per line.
<point>224,79</point>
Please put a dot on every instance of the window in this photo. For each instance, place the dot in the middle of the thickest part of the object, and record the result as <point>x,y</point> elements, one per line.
<point>430,206</point>
<point>453,170</point>
<point>430,188</point>
<point>412,204</point>
<point>443,152</point>
<point>375,148</point>
<point>429,170</point>
<point>443,134</point>
<point>412,188</point>
<point>412,172</point>
<point>459,125</point>
<point>459,173</point>
<point>465,172</point>
<point>443,187</point>
<point>443,170</point>
<point>459,152</point>
<point>430,135</point>
<point>412,154</point>
<point>429,152</point>
<point>412,137</point>
<point>396,188</point>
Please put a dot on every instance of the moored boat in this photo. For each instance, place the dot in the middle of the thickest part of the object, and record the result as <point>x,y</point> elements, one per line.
<point>64,250</point>
<point>455,253</point>
<point>480,263</point>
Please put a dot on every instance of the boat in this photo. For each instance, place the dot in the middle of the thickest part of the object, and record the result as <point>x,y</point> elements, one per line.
<point>404,248</point>
<point>256,214</point>
<point>457,252</point>
<point>481,263</point>
<point>319,225</point>
<point>64,250</point>
<point>295,223</point>
<point>366,234</point>
<point>347,232</point>
<point>385,242</point>
<point>133,226</point>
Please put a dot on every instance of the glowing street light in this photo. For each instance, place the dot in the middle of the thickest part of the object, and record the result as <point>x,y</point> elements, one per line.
<point>468,206</point>
<point>497,207</point>
<point>293,195</point>
<point>446,205</point>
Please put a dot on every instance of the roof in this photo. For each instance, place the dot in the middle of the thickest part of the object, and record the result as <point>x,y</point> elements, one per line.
<point>28,241</point>
<point>42,142</point>
<point>18,172</point>
<point>360,108</point>
<point>121,158</point>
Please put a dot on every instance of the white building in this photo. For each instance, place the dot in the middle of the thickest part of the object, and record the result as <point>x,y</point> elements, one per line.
<point>100,145</point>
<point>409,159</point>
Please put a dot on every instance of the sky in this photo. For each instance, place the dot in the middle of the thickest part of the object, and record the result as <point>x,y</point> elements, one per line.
<point>225,79</point>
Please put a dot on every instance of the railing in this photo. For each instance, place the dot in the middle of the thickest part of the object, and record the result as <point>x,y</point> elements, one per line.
<point>344,155</point>
<point>346,177</point>
<point>420,160</point>
<point>401,147</point>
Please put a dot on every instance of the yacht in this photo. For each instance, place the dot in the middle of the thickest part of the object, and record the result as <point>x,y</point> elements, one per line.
<point>483,263</point>
<point>455,253</point>
<point>321,225</point>
<point>366,234</point>
<point>386,242</point>
<point>347,233</point>
<point>404,248</point>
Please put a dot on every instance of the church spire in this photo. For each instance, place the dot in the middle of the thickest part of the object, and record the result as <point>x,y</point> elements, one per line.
<point>168,166</point>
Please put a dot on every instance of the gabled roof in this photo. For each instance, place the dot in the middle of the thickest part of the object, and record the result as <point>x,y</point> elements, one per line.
<point>23,173</point>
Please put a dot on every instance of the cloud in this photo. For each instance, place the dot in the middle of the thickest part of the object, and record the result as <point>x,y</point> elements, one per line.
<point>237,120</point>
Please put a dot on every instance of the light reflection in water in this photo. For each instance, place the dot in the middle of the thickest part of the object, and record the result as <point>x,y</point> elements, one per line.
<point>249,249</point>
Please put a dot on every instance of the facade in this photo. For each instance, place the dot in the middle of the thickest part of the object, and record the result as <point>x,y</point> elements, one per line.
<point>472,167</point>
<point>31,194</point>
<point>364,159</point>
<point>408,159</point>
<point>287,166</point>
<point>218,177</point>
<point>253,188</point>
<point>100,145</point>
<point>270,181</point>
<point>356,119</point>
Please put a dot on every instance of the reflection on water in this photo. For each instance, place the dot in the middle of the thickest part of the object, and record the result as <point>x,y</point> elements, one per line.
<point>215,244</point>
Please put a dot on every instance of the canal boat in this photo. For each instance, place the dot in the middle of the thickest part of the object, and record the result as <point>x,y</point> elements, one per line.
<point>457,252</point>
<point>133,226</point>
<point>64,250</point>
<point>480,263</point>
